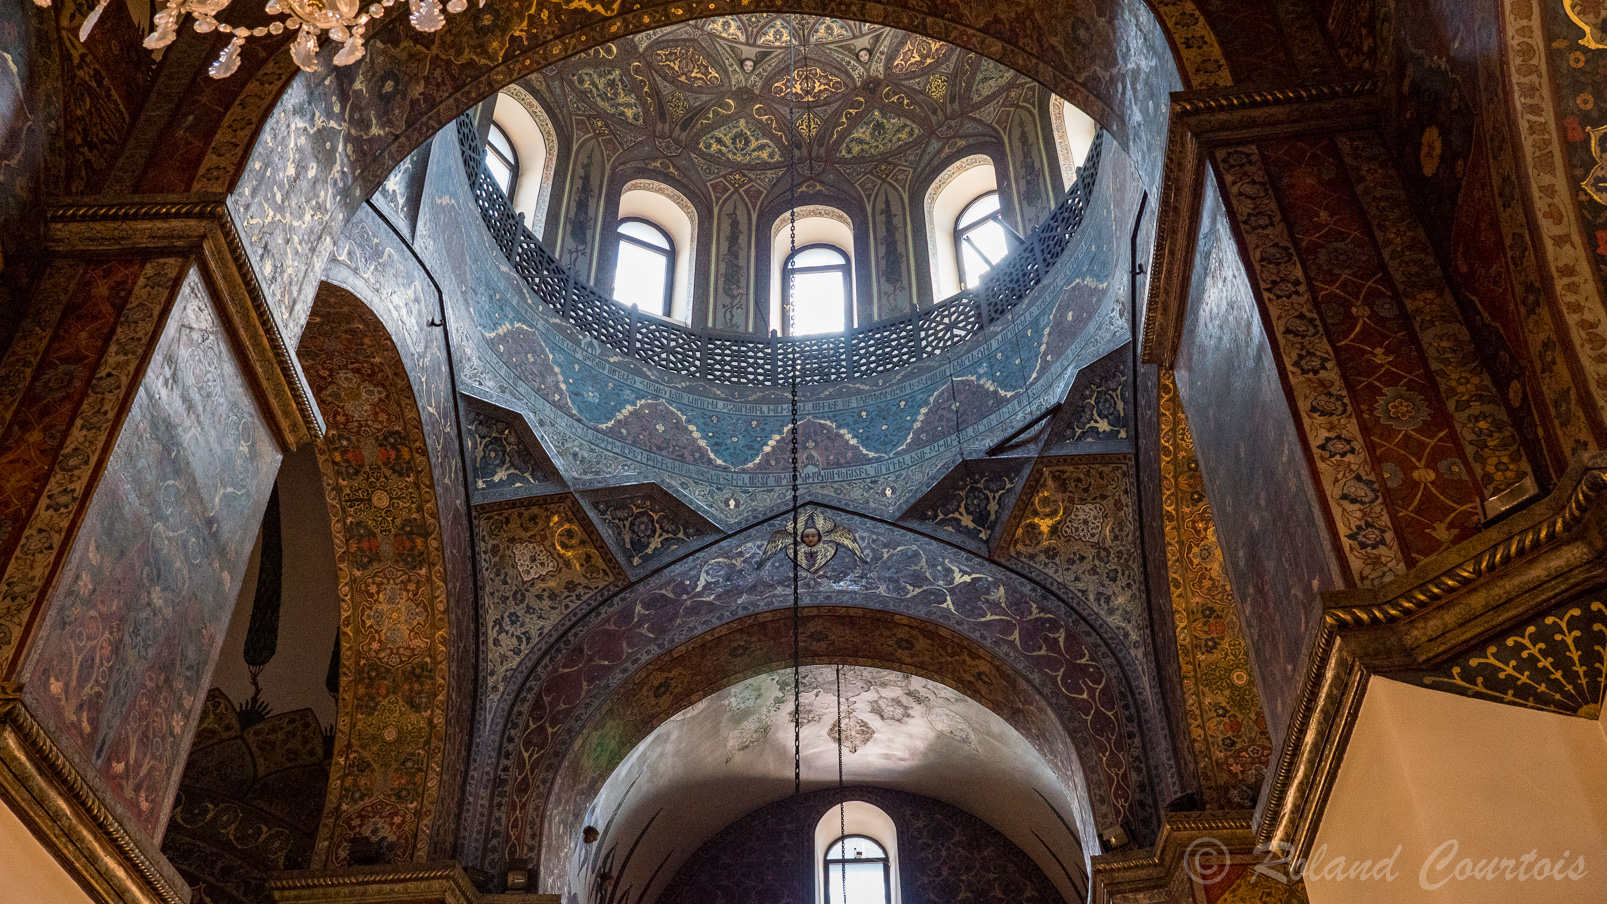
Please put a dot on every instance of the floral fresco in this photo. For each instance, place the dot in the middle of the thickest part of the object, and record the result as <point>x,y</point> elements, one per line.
<point>126,645</point>
<point>1226,724</point>
<point>379,483</point>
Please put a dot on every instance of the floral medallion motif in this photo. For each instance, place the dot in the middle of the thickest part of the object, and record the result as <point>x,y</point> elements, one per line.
<point>685,65</point>
<point>877,134</point>
<point>1086,522</point>
<point>607,88</point>
<point>740,141</point>
<point>533,561</point>
<point>808,84</point>
<point>395,616</point>
<point>1401,408</point>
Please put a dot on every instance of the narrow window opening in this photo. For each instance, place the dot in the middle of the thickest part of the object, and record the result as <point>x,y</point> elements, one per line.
<point>816,286</point>
<point>501,159</point>
<point>644,270</point>
<point>859,866</point>
<point>981,239</point>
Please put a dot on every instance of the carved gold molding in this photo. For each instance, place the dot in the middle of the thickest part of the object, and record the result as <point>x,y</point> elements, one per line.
<point>1162,869</point>
<point>202,226</point>
<point>42,787</point>
<point>1201,122</point>
<point>437,882</point>
<point>1458,604</point>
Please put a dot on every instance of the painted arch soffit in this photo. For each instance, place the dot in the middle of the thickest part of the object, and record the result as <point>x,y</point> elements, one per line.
<point>855,562</point>
<point>761,643</point>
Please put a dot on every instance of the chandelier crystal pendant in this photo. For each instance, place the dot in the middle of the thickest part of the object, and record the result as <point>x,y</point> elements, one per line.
<point>343,21</point>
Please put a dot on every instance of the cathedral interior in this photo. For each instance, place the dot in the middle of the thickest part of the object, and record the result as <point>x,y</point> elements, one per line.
<point>803,451</point>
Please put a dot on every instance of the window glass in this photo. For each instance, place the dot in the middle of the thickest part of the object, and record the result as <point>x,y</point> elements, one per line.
<point>644,268</point>
<point>652,235</point>
<point>857,871</point>
<point>859,847</point>
<point>500,159</point>
<point>981,239</point>
<point>978,209</point>
<point>817,278</point>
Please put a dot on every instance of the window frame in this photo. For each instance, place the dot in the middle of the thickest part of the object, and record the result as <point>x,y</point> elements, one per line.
<point>847,268</point>
<point>669,255</point>
<point>1012,241</point>
<point>509,159</point>
<point>886,860</point>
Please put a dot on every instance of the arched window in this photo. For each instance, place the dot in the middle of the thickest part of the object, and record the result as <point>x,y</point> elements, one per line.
<point>816,286</point>
<point>857,870</point>
<point>644,273</point>
<point>501,159</point>
<point>1074,136</point>
<point>815,226</point>
<point>981,239</point>
<point>949,198</point>
<point>667,212</point>
<point>857,838</point>
<point>520,151</point>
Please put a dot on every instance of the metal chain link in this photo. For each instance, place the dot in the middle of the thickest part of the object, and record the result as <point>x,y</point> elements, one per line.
<point>790,315</point>
<point>842,796</point>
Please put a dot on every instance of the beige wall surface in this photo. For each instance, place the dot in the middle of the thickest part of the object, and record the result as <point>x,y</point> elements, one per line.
<point>1463,801</point>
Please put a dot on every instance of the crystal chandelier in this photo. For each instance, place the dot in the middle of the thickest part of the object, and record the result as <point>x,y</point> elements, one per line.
<point>341,21</point>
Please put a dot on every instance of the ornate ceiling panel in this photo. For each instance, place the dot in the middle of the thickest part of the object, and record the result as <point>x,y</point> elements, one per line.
<point>731,93</point>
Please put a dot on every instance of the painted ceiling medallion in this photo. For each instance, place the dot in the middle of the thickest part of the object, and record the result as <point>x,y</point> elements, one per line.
<point>877,134</point>
<point>741,142</point>
<point>777,34</point>
<point>917,53</point>
<point>685,65</point>
<point>807,85</point>
<point>606,87</point>
<point>819,538</point>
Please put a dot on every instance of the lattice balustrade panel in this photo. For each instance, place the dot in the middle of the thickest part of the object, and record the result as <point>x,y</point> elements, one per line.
<point>946,326</point>
<point>554,290</point>
<point>600,317</point>
<point>668,346</point>
<point>746,362</point>
<point>822,359</point>
<point>874,349</point>
<point>886,346</point>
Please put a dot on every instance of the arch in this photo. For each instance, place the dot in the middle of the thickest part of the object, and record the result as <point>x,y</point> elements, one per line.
<point>1074,135</point>
<point>536,142</point>
<point>862,819</point>
<point>762,643</point>
<point>818,224</point>
<point>359,132</point>
<point>992,622</point>
<point>957,186</point>
<point>390,745</point>
<point>671,211</point>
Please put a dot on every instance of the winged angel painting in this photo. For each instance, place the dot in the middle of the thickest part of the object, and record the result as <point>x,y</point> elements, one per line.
<point>818,539</point>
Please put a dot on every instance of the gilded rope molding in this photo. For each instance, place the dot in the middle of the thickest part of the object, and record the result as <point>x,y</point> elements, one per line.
<point>1249,100</point>
<point>371,876</point>
<point>46,757</point>
<point>215,212</point>
<point>1513,548</point>
<point>1335,680</point>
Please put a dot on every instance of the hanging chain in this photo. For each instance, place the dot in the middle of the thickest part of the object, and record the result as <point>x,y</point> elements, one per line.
<point>842,796</point>
<point>791,324</point>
